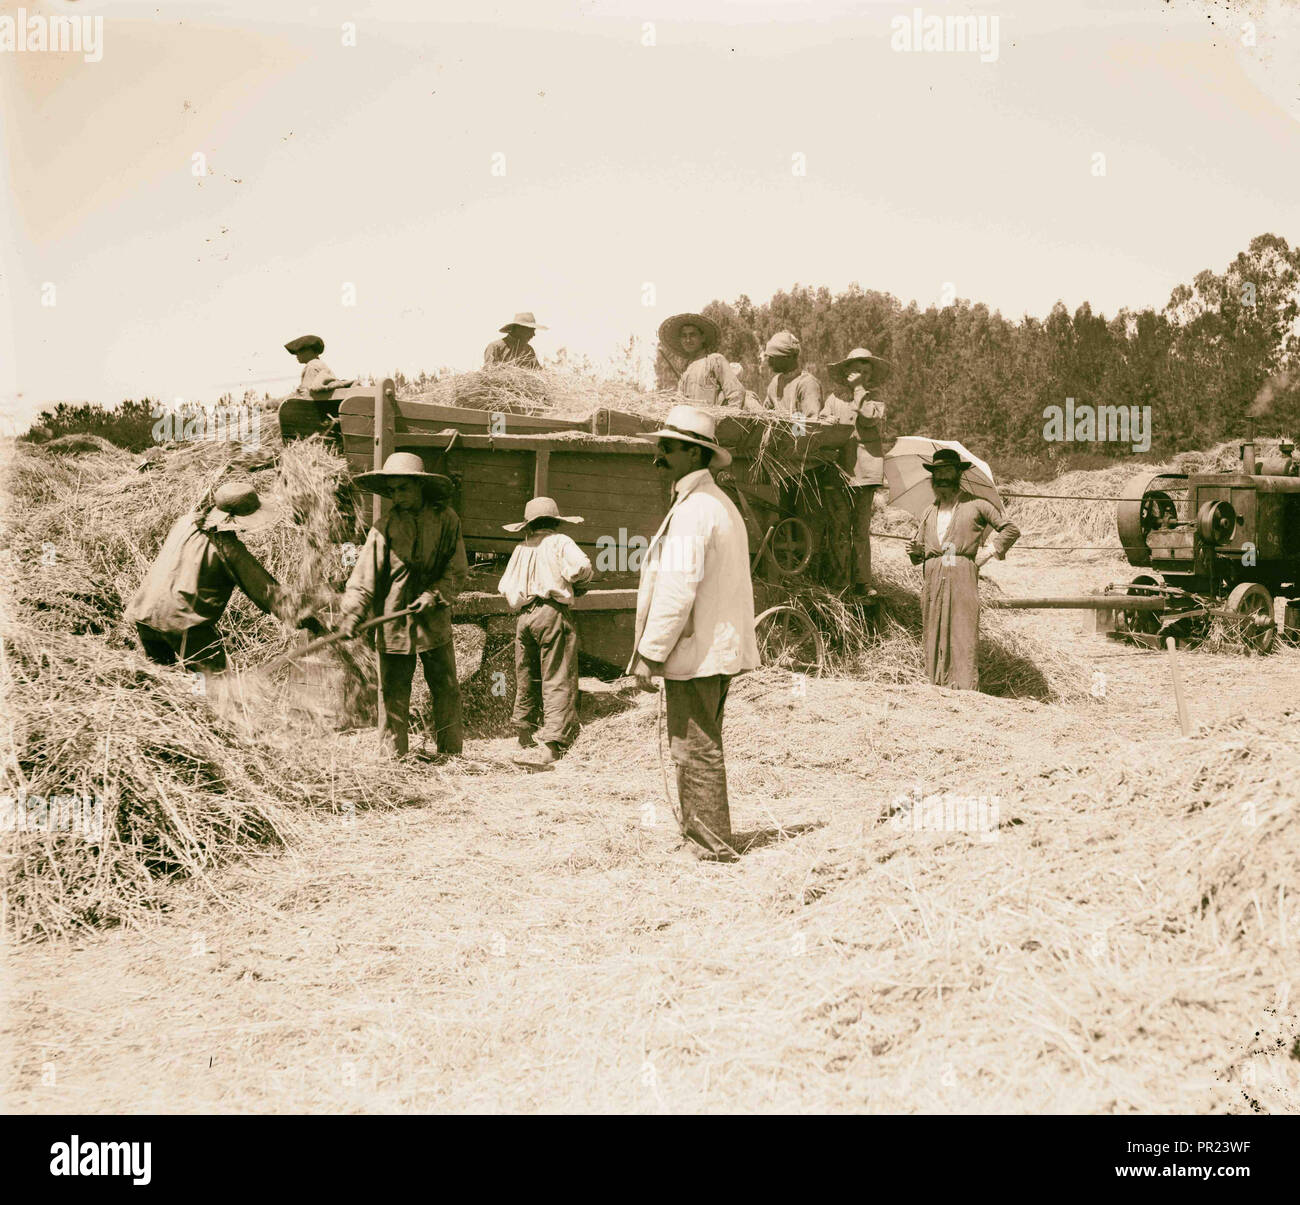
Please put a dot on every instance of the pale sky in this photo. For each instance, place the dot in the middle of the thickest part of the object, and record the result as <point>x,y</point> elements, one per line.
<point>626,165</point>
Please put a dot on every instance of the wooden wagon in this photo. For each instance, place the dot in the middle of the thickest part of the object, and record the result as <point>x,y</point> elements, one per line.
<point>598,468</point>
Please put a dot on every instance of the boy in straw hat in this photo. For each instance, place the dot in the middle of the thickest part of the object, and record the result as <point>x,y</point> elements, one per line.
<point>316,374</point>
<point>863,456</point>
<point>690,343</point>
<point>695,621</point>
<point>414,556</point>
<point>947,543</point>
<point>187,588</point>
<point>516,347</point>
<point>539,583</point>
<point>793,389</point>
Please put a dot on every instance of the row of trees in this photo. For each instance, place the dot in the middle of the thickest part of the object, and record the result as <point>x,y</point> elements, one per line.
<point>1224,351</point>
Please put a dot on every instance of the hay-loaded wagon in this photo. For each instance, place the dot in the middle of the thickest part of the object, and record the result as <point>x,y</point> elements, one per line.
<point>1211,545</point>
<point>595,467</point>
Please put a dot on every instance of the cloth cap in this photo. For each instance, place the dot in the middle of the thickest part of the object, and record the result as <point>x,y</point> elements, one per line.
<point>305,343</point>
<point>783,343</point>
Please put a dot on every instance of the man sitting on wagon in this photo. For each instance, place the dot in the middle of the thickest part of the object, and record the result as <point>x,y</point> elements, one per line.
<point>316,374</point>
<point>793,389</point>
<point>415,557</point>
<point>692,340</point>
<point>516,348</point>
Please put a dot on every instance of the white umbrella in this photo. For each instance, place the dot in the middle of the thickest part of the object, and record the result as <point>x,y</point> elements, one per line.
<point>909,480</point>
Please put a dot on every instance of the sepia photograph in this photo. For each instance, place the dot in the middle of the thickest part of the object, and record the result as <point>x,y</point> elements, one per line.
<point>651,557</point>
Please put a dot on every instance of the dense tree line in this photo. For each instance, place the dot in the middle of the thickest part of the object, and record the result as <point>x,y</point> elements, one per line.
<point>1223,351</point>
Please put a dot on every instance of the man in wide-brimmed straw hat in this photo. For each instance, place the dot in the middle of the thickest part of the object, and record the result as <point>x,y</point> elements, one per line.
<point>862,458</point>
<point>792,389</point>
<point>544,575</point>
<point>689,342</point>
<point>695,620</point>
<point>187,588</point>
<point>516,347</point>
<point>414,556</point>
<point>947,543</point>
<point>316,375</point>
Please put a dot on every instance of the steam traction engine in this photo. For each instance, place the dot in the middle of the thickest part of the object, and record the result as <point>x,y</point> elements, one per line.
<point>1210,545</point>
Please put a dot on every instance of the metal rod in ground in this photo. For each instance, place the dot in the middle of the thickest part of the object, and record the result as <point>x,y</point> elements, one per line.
<point>1180,700</point>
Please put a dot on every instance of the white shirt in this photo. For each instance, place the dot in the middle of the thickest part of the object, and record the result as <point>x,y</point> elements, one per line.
<point>942,517</point>
<point>545,565</point>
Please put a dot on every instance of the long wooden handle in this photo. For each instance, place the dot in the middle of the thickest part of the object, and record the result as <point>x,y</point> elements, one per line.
<point>334,637</point>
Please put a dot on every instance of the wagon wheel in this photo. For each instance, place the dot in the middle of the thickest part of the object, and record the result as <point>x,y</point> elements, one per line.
<point>792,546</point>
<point>1254,604</point>
<point>789,639</point>
<point>1143,622</point>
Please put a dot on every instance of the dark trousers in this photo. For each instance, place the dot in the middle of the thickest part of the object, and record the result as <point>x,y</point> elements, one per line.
<point>694,710</point>
<point>546,674</point>
<point>396,670</point>
<point>196,648</point>
<point>863,496</point>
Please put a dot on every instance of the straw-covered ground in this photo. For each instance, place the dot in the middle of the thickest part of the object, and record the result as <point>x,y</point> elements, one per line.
<point>277,919</point>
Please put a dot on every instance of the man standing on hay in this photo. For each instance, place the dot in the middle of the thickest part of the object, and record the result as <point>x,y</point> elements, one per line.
<point>186,591</point>
<point>516,348</point>
<point>692,340</point>
<point>947,543</point>
<point>695,621</point>
<point>543,577</point>
<point>793,390</point>
<point>863,457</point>
<point>414,557</point>
<point>316,375</point>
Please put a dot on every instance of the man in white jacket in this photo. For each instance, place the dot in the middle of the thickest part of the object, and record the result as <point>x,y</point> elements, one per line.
<point>695,621</point>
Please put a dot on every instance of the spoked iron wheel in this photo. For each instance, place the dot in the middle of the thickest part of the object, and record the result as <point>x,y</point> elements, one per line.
<point>1258,628</point>
<point>788,639</point>
<point>1145,623</point>
<point>791,547</point>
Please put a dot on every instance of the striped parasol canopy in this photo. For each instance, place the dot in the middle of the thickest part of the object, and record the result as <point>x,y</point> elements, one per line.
<point>909,481</point>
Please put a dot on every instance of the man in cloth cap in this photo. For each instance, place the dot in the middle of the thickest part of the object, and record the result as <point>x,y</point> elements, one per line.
<point>793,390</point>
<point>543,577</point>
<point>863,456</point>
<point>692,340</point>
<point>695,621</point>
<point>947,543</point>
<point>414,557</point>
<point>188,586</point>
<point>316,375</point>
<point>516,347</point>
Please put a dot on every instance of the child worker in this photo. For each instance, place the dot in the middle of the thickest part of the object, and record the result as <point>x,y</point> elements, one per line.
<point>544,575</point>
<point>414,557</point>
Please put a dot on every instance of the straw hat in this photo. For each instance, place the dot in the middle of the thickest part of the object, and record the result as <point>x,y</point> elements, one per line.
<point>523,318</point>
<point>947,458</point>
<point>305,343</point>
<point>401,464</point>
<point>692,426</point>
<point>839,370</point>
<point>670,331</point>
<point>541,508</point>
<point>237,507</point>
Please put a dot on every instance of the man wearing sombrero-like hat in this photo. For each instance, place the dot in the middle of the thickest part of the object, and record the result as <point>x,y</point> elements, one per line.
<point>689,342</point>
<point>189,584</point>
<point>948,543</point>
<point>414,556</point>
<point>543,577</point>
<point>516,348</point>
<point>863,455</point>
<point>316,375</point>
<point>695,621</point>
